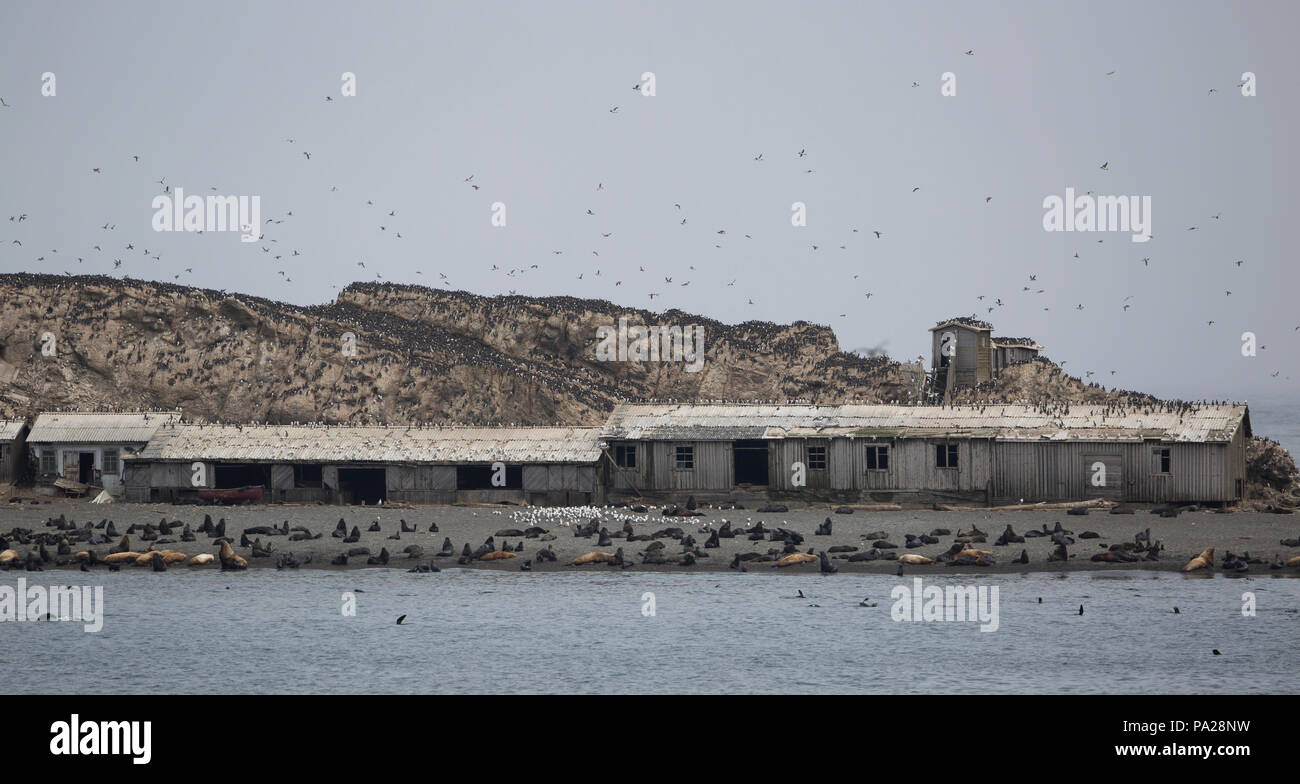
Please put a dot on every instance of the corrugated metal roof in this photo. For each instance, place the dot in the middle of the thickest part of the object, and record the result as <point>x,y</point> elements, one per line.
<point>709,422</point>
<point>373,444</point>
<point>9,428</point>
<point>96,427</point>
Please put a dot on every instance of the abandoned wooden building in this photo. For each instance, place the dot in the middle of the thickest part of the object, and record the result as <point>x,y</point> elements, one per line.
<point>964,352</point>
<point>87,447</point>
<point>370,464</point>
<point>13,436</point>
<point>990,454</point>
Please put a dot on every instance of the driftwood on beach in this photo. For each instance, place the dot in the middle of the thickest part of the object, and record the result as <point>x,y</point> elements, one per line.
<point>1092,503</point>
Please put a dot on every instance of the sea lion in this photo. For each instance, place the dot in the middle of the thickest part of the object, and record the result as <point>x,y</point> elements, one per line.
<point>340,560</point>
<point>1009,537</point>
<point>509,532</point>
<point>447,550</point>
<point>840,548</point>
<point>229,560</point>
<point>433,528</point>
<point>913,558</point>
<point>340,530</point>
<point>1023,558</point>
<point>1089,535</point>
<point>119,558</point>
<point>496,556</point>
<point>1293,561</point>
<point>8,556</point>
<point>379,560</point>
<point>202,559</point>
<point>1203,561</point>
<point>1059,554</point>
<point>157,561</point>
<point>825,564</point>
<point>797,558</point>
<point>354,537</point>
<point>824,529</point>
<point>591,558</point>
<point>123,546</point>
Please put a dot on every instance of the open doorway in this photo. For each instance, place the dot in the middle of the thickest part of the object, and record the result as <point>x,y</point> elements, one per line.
<point>229,476</point>
<point>363,485</point>
<point>750,459</point>
<point>86,468</point>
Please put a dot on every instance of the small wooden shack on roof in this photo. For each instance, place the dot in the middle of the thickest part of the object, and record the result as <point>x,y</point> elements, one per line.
<point>87,447</point>
<point>962,350</point>
<point>1009,351</point>
<point>991,453</point>
<point>370,464</point>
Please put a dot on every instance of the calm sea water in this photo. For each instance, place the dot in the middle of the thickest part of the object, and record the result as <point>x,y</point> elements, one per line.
<point>1278,420</point>
<point>474,631</point>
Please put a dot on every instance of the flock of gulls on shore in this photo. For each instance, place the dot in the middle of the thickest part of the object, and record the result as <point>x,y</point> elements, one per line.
<point>385,222</point>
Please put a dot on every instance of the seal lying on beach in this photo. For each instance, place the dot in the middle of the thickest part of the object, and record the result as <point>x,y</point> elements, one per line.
<point>202,559</point>
<point>913,558</point>
<point>117,558</point>
<point>797,558</point>
<point>598,557</point>
<point>496,556</point>
<point>1203,561</point>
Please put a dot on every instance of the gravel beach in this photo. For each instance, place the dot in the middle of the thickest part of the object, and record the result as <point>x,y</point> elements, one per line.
<point>1182,537</point>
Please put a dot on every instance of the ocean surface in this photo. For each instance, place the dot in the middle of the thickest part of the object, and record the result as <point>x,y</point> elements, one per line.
<point>1278,420</point>
<point>264,631</point>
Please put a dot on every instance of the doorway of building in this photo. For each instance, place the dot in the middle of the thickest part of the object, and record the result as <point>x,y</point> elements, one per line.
<point>363,485</point>
<point>86,468</point>
<point>750,458</point>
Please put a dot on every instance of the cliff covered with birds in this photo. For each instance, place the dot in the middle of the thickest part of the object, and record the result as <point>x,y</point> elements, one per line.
<point>421,355</point>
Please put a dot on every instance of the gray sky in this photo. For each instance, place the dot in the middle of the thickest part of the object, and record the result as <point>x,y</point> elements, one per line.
<point>519,96</point>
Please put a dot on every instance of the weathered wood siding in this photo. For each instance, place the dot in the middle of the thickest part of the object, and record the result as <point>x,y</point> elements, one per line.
<point>1062,471</point>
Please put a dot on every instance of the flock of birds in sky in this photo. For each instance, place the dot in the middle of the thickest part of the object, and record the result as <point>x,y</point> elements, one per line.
<point>386,223</point>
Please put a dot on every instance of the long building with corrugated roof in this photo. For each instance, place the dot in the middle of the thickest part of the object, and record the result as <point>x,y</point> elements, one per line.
<point>369,464</point>
<point>991,453</point>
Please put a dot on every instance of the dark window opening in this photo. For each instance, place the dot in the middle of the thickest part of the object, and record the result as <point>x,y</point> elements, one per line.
<point>945,455</point>
<point>750,462</point>
<point>1239,488</point>
<point>480,478</point>
<point>230,476</point>
<point>684,458</point>
<point>308,475</point>
<point>363,485</point>
<point>817,458</point>
<point>877,458</point>
<point>625,455</point>
<point>1165,461</point>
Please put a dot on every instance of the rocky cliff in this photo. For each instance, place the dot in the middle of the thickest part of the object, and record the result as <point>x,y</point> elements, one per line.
<point>420,355</point>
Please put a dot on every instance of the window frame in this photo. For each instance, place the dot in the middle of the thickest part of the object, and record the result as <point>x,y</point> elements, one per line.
<point>677,457</point>
<point>621,451</point>
<point>823,457</point>
<point>104,455</point>
<point>1165,456</point>
<point>52,456</point>
<point>873,455</point>
<point>951,455</point>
